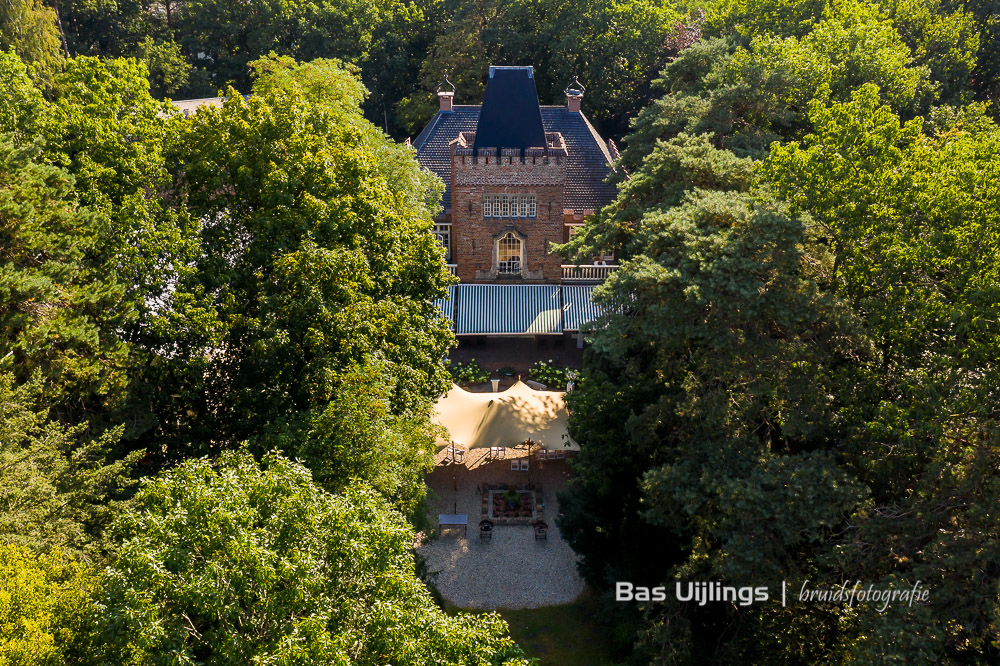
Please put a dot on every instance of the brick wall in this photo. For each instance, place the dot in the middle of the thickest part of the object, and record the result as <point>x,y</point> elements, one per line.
<point>474,237</point>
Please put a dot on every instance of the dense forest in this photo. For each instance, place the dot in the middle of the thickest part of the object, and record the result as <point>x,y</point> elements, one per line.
<point>219,349</point>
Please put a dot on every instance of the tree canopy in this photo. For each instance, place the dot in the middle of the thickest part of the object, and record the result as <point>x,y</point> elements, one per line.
<point>235,561</point>
<point>793,381</point>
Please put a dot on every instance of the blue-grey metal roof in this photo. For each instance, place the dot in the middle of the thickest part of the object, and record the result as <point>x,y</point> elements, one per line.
<point>507,309</point>
<point>447,305</point>
<point>579,308</point>
<point>588,163</point>
<point>511,309</point>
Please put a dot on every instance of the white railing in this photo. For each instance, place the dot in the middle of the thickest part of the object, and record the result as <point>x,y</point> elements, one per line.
<point>586,273</point>
<point>452,268</point>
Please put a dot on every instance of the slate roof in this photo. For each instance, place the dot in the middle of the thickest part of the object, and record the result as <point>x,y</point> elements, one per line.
<point>589,160</point>
<point>509,116</point>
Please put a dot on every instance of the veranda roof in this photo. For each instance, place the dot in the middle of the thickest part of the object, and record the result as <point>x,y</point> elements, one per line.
<point>493,309</point>
<point>509,418</point>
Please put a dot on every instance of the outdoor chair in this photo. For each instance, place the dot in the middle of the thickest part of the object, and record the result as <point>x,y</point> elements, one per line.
<point>485,529</point>
<point>541,530</point>
<point>560,455</point>
<point>459,456</point>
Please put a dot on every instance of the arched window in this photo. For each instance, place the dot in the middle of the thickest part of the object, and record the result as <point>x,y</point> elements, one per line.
<point>509,254</point>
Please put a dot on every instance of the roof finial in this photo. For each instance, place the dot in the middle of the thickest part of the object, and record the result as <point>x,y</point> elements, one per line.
<point>445,82</point>
<point>575,88</point>
<point>574,95</point>
<point>445,97</point>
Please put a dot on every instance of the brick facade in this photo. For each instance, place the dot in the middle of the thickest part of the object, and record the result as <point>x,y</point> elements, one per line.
<point>474,236</point>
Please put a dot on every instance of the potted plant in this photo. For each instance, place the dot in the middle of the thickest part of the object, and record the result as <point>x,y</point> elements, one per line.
<point>513,499</point>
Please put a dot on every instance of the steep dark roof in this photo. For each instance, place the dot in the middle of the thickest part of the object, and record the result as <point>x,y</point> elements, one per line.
<point>588,162</point>
<point>432,143</point>
<point>510,117</point>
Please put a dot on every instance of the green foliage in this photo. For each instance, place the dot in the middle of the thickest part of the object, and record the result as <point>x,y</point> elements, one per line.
<point>795,376</point>
<point>48,295</point>
<point>28,29</point>
<point>168,70</point>
<point>853,44</point>
<point>57,488</point>
<point>615,46</point>
<point>43,600</point>
<point>231,35</point>
<point>468,373</point>
<point>356,438</point>
<point>212,549</point>
<point>548,374</point>
<point>315,254</point>
<point>20,100</point>
<point>880,39</point>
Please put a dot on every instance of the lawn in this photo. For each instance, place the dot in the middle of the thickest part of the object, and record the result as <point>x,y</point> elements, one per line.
<point>564,635</point>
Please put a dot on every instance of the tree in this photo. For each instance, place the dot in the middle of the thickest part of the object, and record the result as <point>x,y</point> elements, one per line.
<point>111,135</point>
<point>49,295</point>
<point>613,45</point>
<point>28,29</point>
<point>225,37</point>
<point>58,489</point>
<point>315,254</point>
<point>167,67</point>
<point>20,100</point>
<point>794,379</point>
<point>43,602</point>
<point>230,562</point>
<point>356,438</point>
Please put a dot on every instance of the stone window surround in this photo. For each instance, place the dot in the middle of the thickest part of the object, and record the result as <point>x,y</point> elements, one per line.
<point>510,250</point>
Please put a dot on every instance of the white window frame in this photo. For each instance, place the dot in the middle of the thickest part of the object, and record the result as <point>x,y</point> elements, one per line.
<point>443,234</point>
<point>506,264</point>
<point>510,205</point>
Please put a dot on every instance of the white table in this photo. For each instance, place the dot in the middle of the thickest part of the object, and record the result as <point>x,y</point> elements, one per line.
<point>454,520</point>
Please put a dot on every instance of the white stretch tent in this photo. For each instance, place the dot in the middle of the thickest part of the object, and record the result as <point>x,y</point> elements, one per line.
<point>519,414</point>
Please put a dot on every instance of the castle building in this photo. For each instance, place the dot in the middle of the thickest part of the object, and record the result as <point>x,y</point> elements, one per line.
<point>518,177</point>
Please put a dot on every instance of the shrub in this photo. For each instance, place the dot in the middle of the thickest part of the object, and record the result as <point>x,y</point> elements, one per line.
<point>468,373</point>
<point>550,375</point>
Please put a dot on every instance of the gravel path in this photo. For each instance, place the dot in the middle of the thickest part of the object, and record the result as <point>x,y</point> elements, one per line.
<point>512,570</point>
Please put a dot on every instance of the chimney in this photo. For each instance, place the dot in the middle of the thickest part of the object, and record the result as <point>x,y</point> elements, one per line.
<point>445,97</point>
<point>574,95</point>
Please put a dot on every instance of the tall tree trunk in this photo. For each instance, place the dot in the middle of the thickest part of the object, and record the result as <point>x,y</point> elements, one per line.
<point>55,6</point>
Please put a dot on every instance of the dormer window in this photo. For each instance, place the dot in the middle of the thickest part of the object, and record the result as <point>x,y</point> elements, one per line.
<point>509,205</point>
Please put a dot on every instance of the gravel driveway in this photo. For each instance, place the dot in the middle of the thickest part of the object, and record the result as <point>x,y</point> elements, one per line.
<point>512,570</point>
